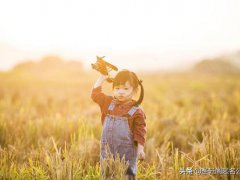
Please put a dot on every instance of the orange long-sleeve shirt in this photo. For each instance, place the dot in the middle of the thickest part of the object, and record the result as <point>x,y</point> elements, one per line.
<point>136,122</point>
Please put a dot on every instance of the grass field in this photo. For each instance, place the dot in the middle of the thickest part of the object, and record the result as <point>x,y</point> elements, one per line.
<point>50,128</point>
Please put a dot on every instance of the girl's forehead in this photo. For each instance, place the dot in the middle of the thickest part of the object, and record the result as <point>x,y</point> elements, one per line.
<point>127,84</point>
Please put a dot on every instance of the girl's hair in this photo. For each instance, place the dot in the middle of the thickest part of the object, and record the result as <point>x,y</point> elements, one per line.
<point>125,75</point>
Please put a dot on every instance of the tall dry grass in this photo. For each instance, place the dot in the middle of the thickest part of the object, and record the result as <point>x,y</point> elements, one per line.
<point>50,128</point>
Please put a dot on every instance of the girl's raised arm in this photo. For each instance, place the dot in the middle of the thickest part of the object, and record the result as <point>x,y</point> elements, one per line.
<point>97,95</point>
<point>100,81</point>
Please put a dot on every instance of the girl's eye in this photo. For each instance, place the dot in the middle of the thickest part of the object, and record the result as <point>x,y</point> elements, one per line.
<point>125,88</point>
<point>117,88</point>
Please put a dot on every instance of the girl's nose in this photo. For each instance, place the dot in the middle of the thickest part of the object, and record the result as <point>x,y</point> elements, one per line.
<point>120,91</point>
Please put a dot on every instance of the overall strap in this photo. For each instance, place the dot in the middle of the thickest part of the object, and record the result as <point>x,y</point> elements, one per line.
<point>132,110</point>
<point>111,106</point>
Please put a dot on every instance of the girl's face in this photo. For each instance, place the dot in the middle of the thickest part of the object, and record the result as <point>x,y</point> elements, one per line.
<point>123,92</point>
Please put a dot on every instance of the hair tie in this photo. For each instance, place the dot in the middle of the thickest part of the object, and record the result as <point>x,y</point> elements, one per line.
<point>140,82</point>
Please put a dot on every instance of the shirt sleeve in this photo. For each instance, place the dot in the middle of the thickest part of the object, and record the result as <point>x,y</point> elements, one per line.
<point>139,130</point>
<point>99,97</point>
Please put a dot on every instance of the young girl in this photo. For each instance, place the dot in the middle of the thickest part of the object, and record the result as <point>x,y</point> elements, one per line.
<point>124,126</point>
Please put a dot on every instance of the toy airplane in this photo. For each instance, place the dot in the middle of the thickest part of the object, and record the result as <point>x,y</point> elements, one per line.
<point>104,67</point>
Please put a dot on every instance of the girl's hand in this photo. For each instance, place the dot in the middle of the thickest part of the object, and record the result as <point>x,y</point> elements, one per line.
<point>100,80</point>
<point>140,152</point>
<point>104,77</point>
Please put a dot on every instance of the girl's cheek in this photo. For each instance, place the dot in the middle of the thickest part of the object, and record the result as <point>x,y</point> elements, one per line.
<point>115,93</point>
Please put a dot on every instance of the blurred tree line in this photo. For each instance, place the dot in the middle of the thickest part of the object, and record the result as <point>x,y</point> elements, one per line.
<point>49,67</point>
<point>54,67</point>
<point>216,66</point>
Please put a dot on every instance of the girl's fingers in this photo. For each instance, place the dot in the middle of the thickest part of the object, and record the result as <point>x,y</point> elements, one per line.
<point>141,156</point>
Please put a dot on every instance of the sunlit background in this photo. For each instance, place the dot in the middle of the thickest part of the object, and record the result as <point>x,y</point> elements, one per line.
<point>135,34</point>
<point>186,52</point>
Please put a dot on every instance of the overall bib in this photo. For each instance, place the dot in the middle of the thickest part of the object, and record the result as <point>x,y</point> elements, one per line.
<point>117,136</point>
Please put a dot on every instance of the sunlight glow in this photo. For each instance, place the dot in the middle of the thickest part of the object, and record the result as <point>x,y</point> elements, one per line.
<point>157,32</point>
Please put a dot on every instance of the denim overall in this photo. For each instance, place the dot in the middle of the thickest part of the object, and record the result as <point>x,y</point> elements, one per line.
<point>117,136</point>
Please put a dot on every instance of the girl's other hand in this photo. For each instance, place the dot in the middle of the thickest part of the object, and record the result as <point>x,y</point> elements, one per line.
<point>141,155</point>
<point>140,152</point>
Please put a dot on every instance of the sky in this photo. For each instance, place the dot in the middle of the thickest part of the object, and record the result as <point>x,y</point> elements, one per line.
<point>135,34</point>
